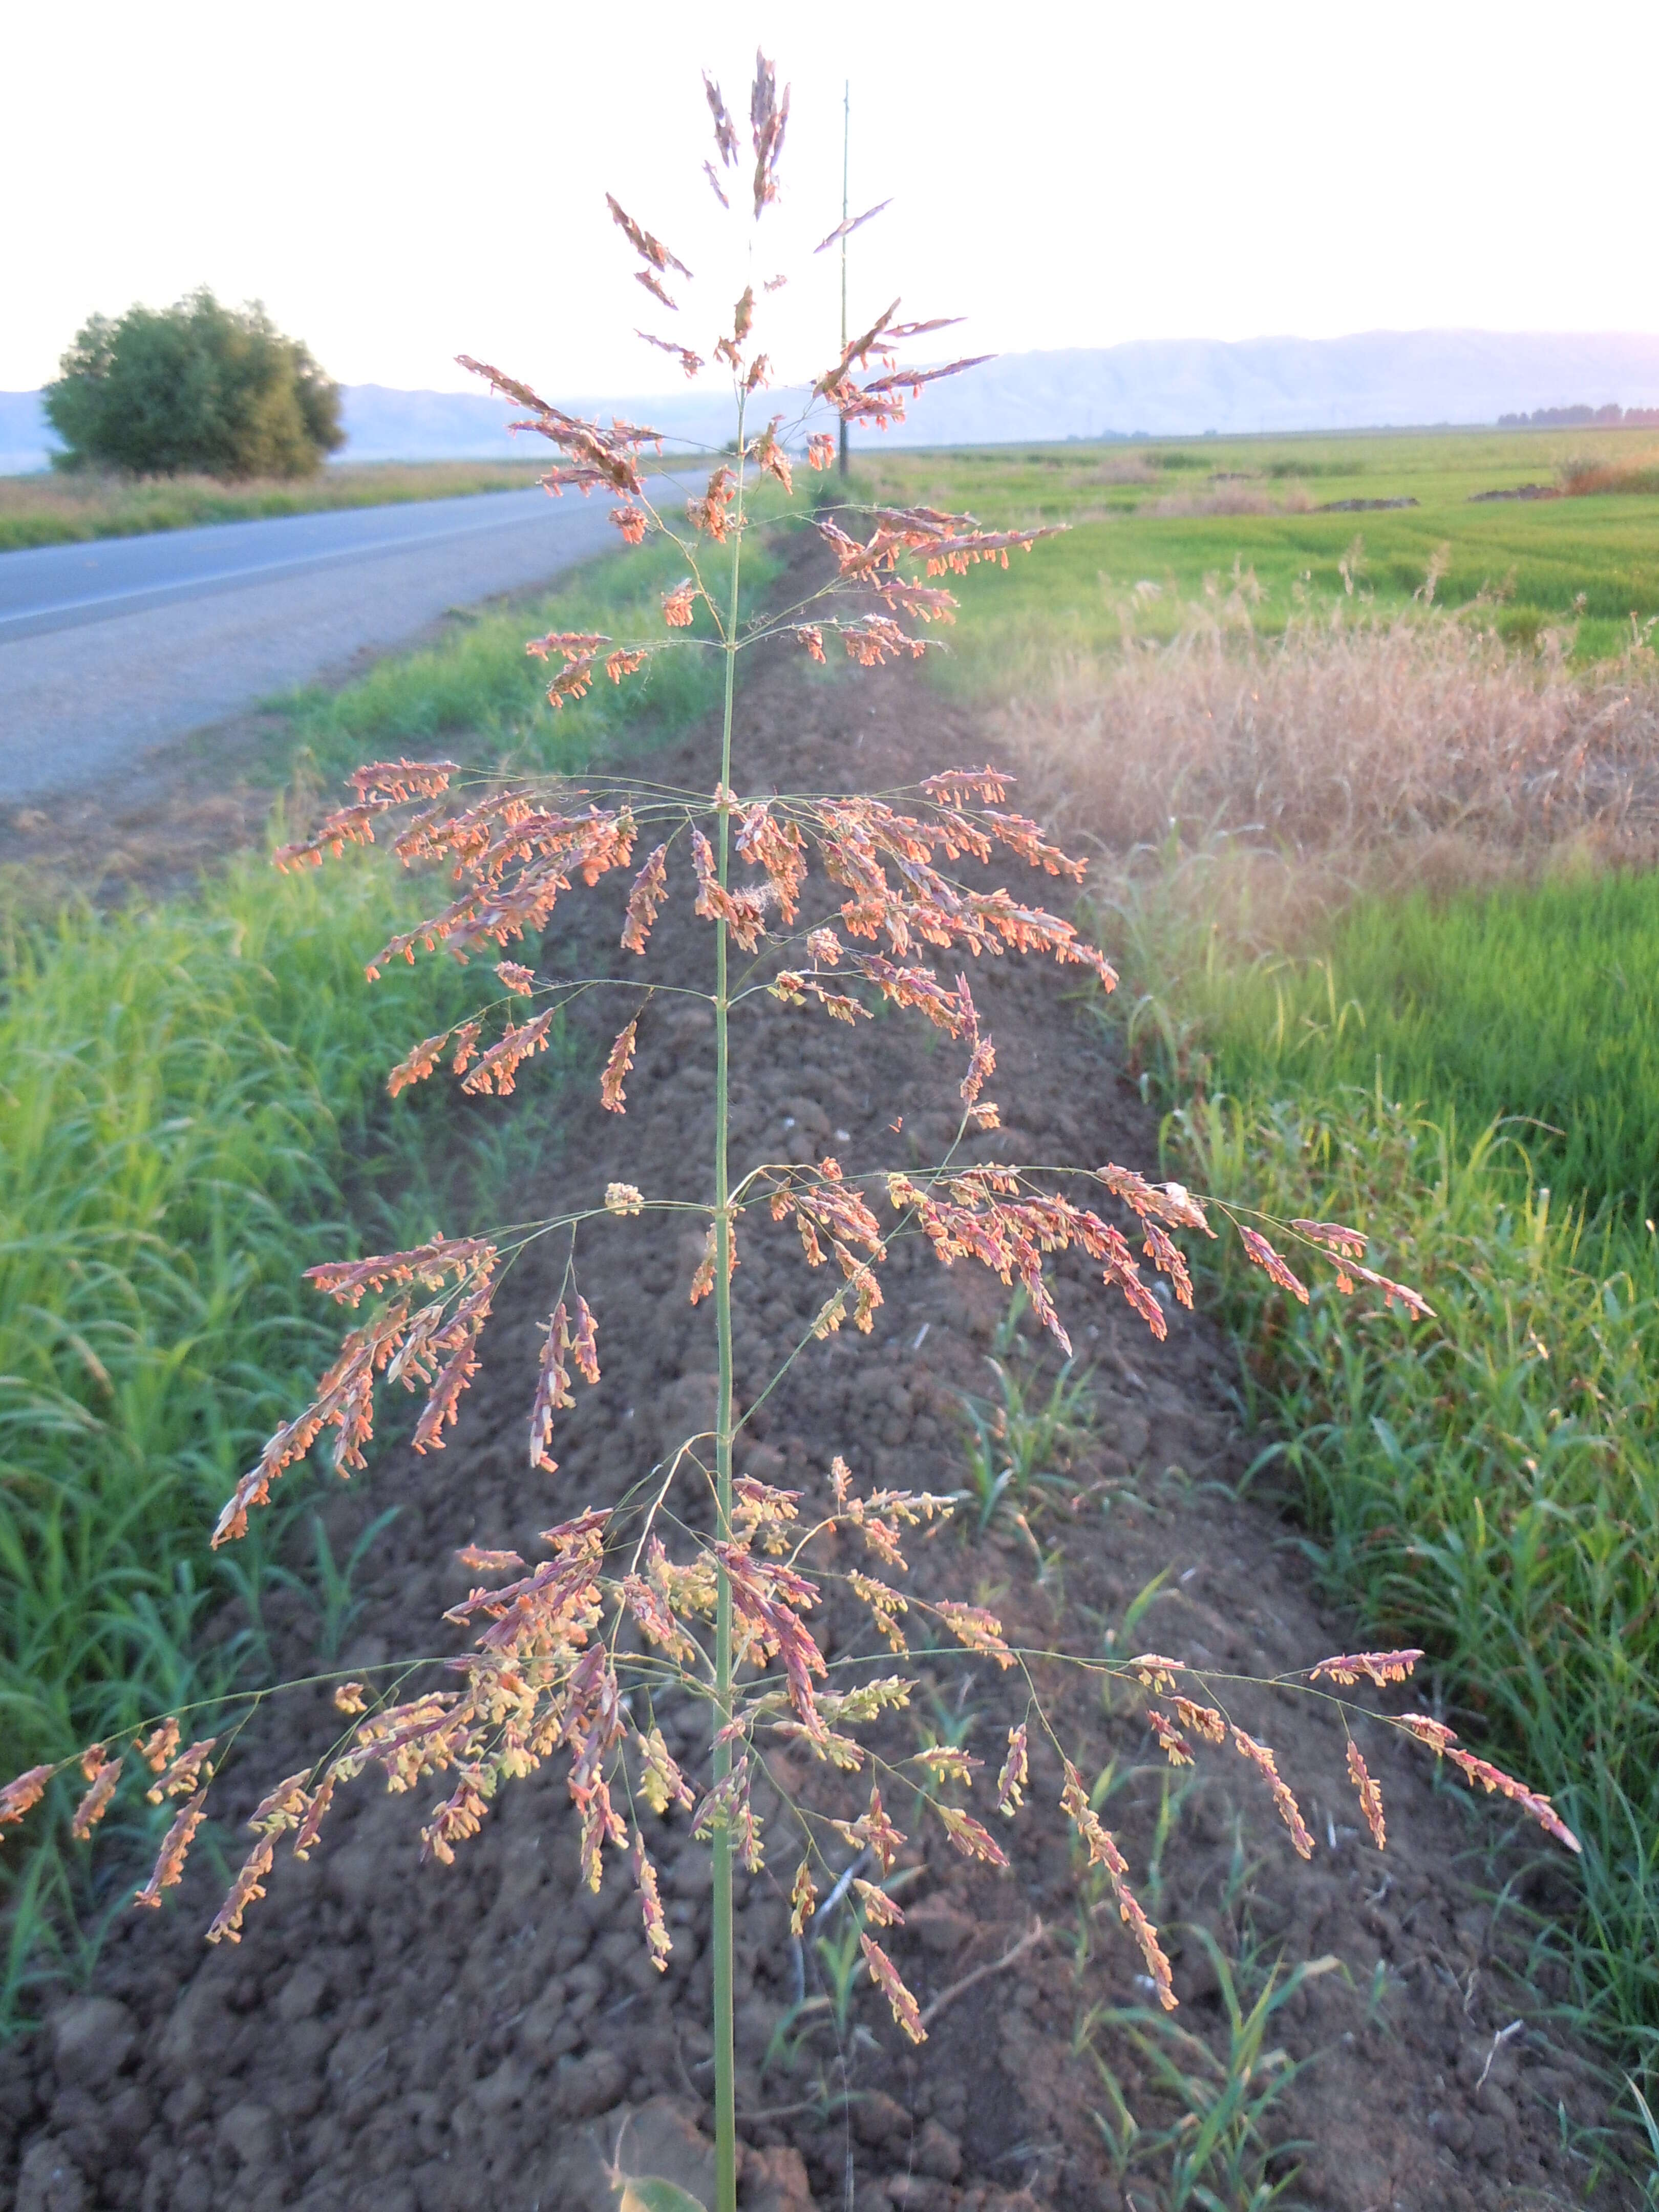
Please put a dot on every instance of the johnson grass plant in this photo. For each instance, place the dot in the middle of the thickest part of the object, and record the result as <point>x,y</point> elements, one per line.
<point>691,1576</point>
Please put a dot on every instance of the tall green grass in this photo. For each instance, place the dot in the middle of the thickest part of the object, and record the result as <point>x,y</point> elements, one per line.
<point>1486,1484</point>
<point>1537,1008</point>
<point>193,1111</point>
<point>483,686</point>
<point>478,697</point>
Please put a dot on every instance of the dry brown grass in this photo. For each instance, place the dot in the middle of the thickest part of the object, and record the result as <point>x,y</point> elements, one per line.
<point>60,509</point>
<point>1579,478</point>
<point>1132,469</point>
<point>1362,755</point>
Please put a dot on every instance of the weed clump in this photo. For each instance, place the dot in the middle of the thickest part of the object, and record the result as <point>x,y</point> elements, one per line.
<point>1581,479</point>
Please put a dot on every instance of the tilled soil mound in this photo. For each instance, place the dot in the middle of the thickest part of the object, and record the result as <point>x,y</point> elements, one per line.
<point>388,2037</point>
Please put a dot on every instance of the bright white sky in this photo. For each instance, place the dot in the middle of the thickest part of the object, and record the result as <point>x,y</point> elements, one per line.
<point>403,182</point>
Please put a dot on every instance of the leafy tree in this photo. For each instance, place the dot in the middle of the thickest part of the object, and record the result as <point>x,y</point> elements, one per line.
<point>196,385</point>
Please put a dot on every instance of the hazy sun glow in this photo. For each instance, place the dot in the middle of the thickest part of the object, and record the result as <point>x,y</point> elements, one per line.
<point>402,183</point>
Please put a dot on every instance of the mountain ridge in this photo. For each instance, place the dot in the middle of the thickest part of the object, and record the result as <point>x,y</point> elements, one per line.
<point>1150,387</point>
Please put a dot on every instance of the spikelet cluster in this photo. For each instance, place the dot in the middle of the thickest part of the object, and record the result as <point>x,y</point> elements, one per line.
<point>1102,1851</point>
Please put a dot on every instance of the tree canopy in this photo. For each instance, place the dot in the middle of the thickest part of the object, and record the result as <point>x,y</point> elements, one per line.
<point>197,387</point>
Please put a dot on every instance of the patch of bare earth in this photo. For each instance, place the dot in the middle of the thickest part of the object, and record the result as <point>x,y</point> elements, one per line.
<point>413,2040</point>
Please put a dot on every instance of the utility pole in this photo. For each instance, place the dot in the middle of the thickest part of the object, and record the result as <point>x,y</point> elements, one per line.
<point>845,140</point>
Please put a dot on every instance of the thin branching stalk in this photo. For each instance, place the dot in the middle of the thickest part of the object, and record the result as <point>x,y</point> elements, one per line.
<point>725,2175</point>
<point>567,1656</point>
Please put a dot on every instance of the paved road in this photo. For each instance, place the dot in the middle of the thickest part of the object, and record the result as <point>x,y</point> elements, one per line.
<point>110,649</point>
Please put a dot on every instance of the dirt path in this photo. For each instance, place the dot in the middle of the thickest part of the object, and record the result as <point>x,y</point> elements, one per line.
<point>402,2039</point>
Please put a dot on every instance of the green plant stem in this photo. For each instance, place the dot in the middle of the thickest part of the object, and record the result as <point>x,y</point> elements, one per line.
<point>846,148</point>
<point>726,2122</point>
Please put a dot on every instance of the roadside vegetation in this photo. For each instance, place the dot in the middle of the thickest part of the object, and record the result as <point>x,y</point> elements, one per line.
<point>70,509</point>
<point>196,385</point>
<point>481,697</point>
<point>193,1111</point>
<point>1378,874</point>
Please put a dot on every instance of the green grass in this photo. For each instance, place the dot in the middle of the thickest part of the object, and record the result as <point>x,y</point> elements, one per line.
<point>1020,1443</point>
<point>1484,1484</point>
<point>1225,2146</point>
<point>71,509</point>
<point>1534,1008</point>
<point>1064,597</point>
<point>481,697</point>
<point>192,1111</point>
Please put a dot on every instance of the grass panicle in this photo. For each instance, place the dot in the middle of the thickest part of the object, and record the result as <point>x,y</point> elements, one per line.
<point>692,1577</point>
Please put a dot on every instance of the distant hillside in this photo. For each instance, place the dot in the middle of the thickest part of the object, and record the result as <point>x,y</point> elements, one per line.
<point>1157,388</point>
<point>1163,388</point>
<point>383,425</point>
<point>25,435</point>
<point>1174,387</point>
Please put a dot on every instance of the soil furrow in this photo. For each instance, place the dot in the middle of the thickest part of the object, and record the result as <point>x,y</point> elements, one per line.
<point>413,2040</point>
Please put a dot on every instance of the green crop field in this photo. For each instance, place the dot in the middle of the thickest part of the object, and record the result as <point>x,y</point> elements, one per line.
<point>1168,516</point>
